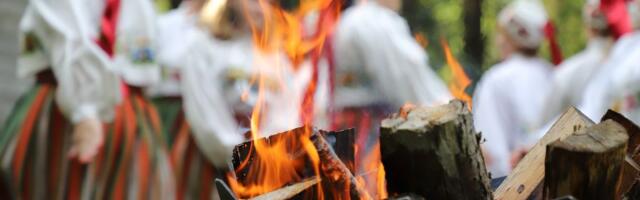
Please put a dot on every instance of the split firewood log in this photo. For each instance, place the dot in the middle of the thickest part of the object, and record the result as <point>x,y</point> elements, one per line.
<point>631,168</point>
<point>529,173</point>
<point>588,164</point>
<point>435,153</point>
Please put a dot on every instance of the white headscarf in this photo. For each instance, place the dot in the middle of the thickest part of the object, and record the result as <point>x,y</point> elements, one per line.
<point>524,22</point>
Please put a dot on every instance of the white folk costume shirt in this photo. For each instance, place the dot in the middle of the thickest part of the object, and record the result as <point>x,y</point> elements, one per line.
<point>173,28</point>
<point>216,83</point>
<point>378,62</point>
<point>627,80</point>
<point>61,35</point>
<point>507,104</point>
<point>572,77</point>
<point>617,83</point>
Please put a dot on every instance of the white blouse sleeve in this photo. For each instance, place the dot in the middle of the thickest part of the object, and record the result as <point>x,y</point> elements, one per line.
<point>395,61</point>
<point>210,117</point>
<point>87,86</point>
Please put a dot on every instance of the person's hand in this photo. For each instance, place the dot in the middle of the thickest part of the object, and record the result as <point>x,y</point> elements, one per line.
<point>87,139</point>
<point>517,155</point>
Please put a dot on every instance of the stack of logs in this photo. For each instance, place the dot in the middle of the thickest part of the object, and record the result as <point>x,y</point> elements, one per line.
<point>434,153</point>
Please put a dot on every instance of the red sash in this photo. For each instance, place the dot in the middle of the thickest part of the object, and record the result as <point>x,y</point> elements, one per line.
<point>107,38</point>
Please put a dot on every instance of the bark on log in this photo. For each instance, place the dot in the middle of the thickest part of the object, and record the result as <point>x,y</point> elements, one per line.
<point>435,153</point>
<point>631,168</point>
<point>529,173</point>
<point>586,165</point>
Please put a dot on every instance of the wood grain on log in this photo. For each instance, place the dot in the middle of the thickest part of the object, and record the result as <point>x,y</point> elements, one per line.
<point>529,172</point>
<point>435,153</point>
<point>586,165</point>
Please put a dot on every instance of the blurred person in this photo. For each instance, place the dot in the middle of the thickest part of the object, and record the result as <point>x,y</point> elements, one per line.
<point>195,173</point>
<point>90,60</point>
<point>607,89</point>
<point>616,85</point>
<point>573,75</point>
<point>379,67</point>
<point>511,94</point>
<point>173,29</point>
<point>220,78</point>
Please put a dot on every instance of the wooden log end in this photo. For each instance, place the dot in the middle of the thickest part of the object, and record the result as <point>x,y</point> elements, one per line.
<point>587,164</point>
<point>604,137</point>
<point>417,119</point>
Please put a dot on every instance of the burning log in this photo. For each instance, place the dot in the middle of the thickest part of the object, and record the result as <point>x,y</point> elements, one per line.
<point>335,173</point>
<point>586,165</point>
<point>340,141</point>
<point>336,178</point>
<point>435,153</point>
<point>529,173</point>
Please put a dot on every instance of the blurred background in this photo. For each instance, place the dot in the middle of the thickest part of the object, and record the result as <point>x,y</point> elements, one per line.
<point>10,86</point>
<point>468,26</point>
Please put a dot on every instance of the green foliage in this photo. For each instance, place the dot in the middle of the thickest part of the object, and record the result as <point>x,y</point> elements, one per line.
<point>162,6</point>
<point>444,19</point>
<point>437,20</point>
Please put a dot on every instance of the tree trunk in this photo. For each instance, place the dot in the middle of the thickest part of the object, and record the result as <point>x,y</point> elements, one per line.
<point>473,37</point>
<point>435,153</point>
<point>586,165</point>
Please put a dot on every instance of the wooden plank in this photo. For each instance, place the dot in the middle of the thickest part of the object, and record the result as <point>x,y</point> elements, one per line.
<point>528,174</point>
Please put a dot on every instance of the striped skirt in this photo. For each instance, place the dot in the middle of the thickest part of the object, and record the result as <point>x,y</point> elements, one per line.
<point>132,164</point>
<point>194,173</point>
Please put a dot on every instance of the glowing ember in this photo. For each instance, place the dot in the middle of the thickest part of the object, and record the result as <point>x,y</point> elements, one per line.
<point>460,80</point>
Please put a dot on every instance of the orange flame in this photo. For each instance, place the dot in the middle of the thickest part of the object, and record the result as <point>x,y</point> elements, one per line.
<point>460,80</point>
<point>273,166</point>
<point>373,178</point>
<point>280,30</point>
